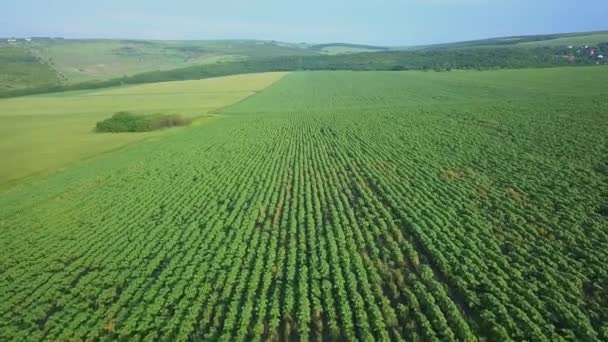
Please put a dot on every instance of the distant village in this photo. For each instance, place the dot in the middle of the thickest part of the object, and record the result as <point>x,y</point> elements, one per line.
<point>28,39</point>
<point>598,53</point>
<point>14,40</point>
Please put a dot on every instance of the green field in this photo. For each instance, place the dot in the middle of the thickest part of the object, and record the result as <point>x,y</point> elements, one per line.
<point>19,68</point>
<point>45,61</point>
<point>539,40</point>
<point>46,65</point>
<point>338,50</point>
<point>45,132</point>
<point>587,39</point>
<point>99,59</point>
<point>345,48</point>
<point>332,205</point>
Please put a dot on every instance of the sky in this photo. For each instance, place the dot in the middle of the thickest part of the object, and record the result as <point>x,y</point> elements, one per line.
<point>380,22</point>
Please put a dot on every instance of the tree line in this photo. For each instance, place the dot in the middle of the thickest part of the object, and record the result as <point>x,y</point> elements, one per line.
<point>479,58</point>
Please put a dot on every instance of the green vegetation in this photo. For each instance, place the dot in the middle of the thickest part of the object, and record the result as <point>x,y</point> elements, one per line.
<point>338,205</point>
<point>128,122</point>
<point>477,58</point>
<point>47,132</point>
<point>342,48</point>
<point>20,69</point>
<point>558,39</point>
<point>577,40</point>
<point>52,65</point>
<point>101,59</point>
<point>49,63</point>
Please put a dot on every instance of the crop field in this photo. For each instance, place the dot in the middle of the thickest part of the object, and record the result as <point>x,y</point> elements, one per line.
<point>414,206</point>
<point>46,132</point>
<point>46,65</point>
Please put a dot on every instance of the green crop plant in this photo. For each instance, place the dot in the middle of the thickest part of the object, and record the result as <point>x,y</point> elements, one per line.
<point>421,206</point>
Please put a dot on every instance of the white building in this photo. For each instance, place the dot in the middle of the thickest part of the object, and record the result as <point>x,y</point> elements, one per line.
<point>600,56</point>
<point>28,39</point>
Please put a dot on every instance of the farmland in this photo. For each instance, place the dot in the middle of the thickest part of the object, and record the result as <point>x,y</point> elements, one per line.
<point>48,62</point>
<point>331,205</point>
<point>39,134</point>
<point>45,65</point>
<point>100,59</point>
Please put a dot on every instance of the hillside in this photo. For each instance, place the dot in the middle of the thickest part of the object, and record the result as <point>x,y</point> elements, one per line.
<point>48,61</point>
<point>85,60</point>
<point>558,39</point>
<point>55,61</point>
<point>475,58</point>
<point>44,64</point>
<point>19,69</point>
<point>345,48</point>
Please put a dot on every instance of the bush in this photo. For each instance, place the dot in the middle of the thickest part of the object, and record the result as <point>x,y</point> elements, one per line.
<point>129,122</point>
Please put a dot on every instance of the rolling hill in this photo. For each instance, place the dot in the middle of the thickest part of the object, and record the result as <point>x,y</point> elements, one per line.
<point>36,62</point>
<point>19,69</point>
<point>86,60</point>
<point>49,64</point>
<point>346,48</point>
<point>558,39</point>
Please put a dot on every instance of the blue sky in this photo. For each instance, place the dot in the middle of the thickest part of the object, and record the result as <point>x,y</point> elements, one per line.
<point>386,22</point>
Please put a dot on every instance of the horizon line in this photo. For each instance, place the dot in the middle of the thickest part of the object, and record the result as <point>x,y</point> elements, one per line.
<point>304,42</point>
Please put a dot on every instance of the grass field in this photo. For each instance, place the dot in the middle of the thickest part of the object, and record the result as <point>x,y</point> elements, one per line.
<point>87,60</point>
<point>338,50</point>
<point>46,132</point>
<point>339,205</point>
<point>20,69</point>
<point>79,61</point>
<point>345,48</point>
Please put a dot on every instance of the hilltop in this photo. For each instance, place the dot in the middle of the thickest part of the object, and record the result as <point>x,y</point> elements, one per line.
<point>557,39</point>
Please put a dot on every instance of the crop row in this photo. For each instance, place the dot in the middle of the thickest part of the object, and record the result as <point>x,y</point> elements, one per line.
<point>319,218</point>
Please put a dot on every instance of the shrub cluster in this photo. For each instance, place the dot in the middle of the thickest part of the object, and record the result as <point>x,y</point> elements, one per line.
<point>129,122</point>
